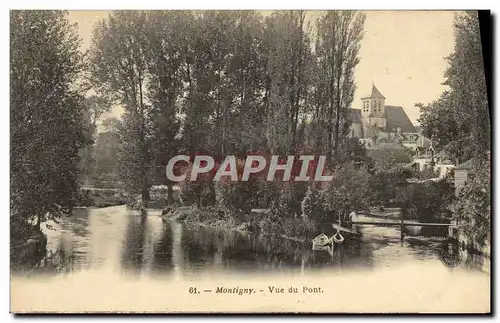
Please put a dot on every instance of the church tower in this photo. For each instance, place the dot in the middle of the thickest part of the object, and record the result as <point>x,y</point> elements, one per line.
<point>373,112</point>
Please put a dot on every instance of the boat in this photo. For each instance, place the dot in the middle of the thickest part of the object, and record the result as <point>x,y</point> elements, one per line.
<point>323,242</point>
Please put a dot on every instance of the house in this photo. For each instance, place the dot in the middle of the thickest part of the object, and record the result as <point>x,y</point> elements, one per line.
<point>426,158</point>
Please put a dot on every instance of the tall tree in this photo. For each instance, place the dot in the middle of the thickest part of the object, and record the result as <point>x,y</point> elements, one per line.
<point>120,73</point>
<point>337,48</point>
<point>289,48</point>
<point>47,116</point>
<point>460,119</point>
<point>95,108</point>
<point>243,85</point>
<point>166,42</point>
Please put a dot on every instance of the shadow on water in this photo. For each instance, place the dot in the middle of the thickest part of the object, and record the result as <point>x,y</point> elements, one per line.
<point>132,252</point>
<point>134,244</point>
<point>187,248</point>
<point>67,245</point>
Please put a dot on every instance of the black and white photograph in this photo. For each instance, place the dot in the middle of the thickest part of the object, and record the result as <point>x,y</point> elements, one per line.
<point>247,161</point>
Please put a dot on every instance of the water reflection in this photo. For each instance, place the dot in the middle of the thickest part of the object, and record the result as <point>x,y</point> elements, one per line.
<point>129,243</point>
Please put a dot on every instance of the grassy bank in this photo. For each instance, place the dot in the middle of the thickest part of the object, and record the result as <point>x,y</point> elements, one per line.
<point>100,198</point>
<point>293,228</point>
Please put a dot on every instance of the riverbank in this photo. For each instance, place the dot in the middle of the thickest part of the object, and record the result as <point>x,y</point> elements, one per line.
<point>28,251</point>
<point>101,197</point>
<point>259,223</point>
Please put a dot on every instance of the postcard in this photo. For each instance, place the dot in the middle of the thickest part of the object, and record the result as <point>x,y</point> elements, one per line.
<point>170,161</point>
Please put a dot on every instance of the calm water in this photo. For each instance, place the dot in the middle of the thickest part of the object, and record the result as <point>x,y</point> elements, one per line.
<point>119,241</point>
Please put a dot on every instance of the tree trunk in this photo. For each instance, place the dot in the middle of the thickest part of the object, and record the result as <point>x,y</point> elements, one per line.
<point>38,222</point>
<point>145,183</point>
<point>170,193</point>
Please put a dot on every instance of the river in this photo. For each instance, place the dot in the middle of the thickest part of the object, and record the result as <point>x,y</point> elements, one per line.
<point>112,259</point>
<point>121,241</point>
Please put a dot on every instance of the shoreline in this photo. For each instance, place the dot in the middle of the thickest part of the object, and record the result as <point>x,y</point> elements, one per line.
<point>222,224</point>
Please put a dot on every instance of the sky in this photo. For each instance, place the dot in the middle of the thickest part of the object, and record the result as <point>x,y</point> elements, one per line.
<point>402,53</point>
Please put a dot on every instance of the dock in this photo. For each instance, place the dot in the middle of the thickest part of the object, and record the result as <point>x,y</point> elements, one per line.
<point>397,223</point>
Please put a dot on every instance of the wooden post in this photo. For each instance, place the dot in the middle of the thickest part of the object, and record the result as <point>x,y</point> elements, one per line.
<point>402,225</point>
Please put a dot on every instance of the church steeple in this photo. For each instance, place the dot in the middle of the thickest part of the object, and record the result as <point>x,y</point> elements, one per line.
<point>373,104</point>
<point>376,93</point>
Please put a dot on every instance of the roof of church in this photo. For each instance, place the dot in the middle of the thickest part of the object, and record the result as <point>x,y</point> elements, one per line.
<point>375,94</point>
<point>354,115</point>
<point>397,118</point>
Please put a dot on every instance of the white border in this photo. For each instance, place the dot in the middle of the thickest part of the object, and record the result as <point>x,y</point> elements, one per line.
<point>255,4</point>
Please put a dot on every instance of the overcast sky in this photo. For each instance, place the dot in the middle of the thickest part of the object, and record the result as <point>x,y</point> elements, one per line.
<point>402,52</point>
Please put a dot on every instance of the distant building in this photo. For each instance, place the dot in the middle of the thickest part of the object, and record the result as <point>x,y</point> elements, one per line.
<point>441,162</point>
<point>377,123</point>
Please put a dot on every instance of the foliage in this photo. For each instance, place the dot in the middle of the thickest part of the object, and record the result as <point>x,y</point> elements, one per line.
<point>460,120</point>
<point>473,206</point>
<point>47,116</point>
<point>337,47</point>
<point>223,82</point>
<point>427,173</point>
<point>119,74</point>
<point>284,205</point>
<point>200,192</point>
<point>384,186</point>
<point>100,198</point>
<point>312,205</point>
<point>347,192</point>
<point>106,151</point>
<point>426,201</point>
<point>165,53</point>
<point>386,159</point>
<point>299,227</point>
<point>236,196</point>
<point>289,50</point>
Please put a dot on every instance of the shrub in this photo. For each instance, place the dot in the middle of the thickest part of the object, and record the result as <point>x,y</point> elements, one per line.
<point>347,192</point>
<point>473,206</point>
<point>312,204</point>
<point>299,227</point>
<point>426,201</point>
<point>236,196</point>
<point>200,192</point>
<point>427,173</point>
<point>384,184</point>
<point>386,159</point>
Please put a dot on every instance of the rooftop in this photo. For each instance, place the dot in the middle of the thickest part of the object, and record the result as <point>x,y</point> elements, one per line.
<point>375,94</point>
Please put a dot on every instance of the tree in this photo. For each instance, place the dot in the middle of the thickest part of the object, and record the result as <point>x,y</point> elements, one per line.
<point>95,108</point>
<point>384,186</point>
<point>289,49</point>
<point>347,192</point>
<point>166,43</point>
<point>120,74</point>
<point>47,117</point>
<point>472,208</point>
<point>387,159</point>
<point>459,119</point>
<point>106,151</point>
<point>428,200</point>
<point>337,48</point>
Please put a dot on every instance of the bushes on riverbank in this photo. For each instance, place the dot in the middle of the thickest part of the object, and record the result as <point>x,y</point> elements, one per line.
<point>426,201</point>
<point>473,206</point>
<point>297,209</point>
<point>270,223</point>
<point>100,198</point>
